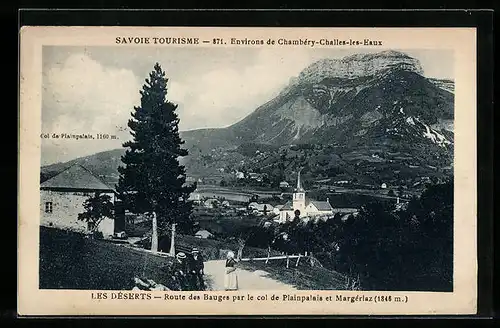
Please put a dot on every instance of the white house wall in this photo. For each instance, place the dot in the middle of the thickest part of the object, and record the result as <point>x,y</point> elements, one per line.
<point>107,227</point>
<point>311,209</point>
<point>65,209</point>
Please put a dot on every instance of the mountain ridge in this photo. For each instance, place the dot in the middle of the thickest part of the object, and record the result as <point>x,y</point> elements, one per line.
<point>386,104</point>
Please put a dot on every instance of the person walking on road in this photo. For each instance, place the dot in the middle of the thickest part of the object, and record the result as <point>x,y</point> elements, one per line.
<point>231,277</point>
<point>196,268</point>
<point>180,271</point>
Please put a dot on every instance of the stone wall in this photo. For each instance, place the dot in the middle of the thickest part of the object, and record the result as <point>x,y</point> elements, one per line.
<point>65,209</point>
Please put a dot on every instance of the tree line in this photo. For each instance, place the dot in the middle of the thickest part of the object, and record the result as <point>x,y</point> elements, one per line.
<point>385,248</point>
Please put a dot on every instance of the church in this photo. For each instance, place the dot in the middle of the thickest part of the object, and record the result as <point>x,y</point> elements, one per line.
<point>306,207</point>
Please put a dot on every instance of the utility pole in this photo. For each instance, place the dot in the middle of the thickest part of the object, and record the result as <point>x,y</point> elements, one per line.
<point>172,241</point>
<point>154,237</point>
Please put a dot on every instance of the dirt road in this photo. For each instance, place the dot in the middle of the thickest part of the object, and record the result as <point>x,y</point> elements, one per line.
<point>247,280</point>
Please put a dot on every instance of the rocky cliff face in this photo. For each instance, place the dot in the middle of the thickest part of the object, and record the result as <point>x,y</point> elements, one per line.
<point>363,110</point>
<point>359,65</point>
<point>338,100</point>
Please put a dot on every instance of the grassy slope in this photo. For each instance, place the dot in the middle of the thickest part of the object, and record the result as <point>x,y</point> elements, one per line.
<point>70,261</point>
<point>303,277</point>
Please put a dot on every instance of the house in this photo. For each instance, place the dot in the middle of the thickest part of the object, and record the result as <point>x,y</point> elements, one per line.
<point>267,224</point>
<point>277,208</point>
<point>345,217</point>
<point>322,183</point>
<point>383,185</point>
<point>260,208</point>
<point>239,175</point>
<point>345,210</point>
<point>284,184</point>
<point>225,203</point>
<point>195,196</point>
<point>306,206</point>
<point>203,234</point>
<point>62,198</point>
<point>212,180</point>
<point>255,176</point>
<point>253,205</point>
<point>211,203</point>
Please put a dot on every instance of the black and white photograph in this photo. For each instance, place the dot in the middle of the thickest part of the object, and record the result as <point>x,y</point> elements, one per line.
<point>223,167</point>
<point>249,169</point>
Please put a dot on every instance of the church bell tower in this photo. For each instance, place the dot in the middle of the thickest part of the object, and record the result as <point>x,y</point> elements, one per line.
<point>299,196</point>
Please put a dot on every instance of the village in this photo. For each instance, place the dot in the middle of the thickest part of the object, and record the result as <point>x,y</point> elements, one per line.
<point>219,220</point>
<point>276,207</point>
<point>63,195</point>
<point>222,215</point>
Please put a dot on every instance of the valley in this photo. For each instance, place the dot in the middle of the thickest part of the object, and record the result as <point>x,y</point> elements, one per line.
<point>357,122</point>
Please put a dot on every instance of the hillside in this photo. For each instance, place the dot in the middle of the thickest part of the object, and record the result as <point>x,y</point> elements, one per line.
<point>68,260</point>
<point>338,100</point>
<point>104,164</point>
<point>355,111</point>
<point>370,118</point>
<point>365,117</point>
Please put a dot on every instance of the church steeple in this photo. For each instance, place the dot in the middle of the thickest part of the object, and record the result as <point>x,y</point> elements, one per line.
<point>299,196</point>
<point>299,184</point>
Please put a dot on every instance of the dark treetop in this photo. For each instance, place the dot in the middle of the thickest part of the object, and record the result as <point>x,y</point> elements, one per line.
<point>152,178</point>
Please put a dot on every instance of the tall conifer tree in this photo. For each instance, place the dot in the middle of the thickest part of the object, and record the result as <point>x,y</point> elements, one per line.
<point>152,180</point>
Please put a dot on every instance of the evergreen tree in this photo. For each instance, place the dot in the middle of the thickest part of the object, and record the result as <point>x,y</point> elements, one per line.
<point>152,180</point>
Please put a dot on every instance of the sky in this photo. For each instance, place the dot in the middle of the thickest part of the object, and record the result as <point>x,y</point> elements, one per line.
<point>94,89</point>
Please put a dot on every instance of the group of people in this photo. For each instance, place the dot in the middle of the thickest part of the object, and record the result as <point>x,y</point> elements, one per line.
<point>188,272</point>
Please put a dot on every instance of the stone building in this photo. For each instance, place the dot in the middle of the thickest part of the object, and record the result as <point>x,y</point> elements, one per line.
<point>62,198</point>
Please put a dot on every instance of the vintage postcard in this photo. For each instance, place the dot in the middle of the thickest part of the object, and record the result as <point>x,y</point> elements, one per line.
<point>247,171</point>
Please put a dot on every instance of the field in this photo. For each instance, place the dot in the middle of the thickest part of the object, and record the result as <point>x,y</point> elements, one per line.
<point>68,260</point>
<point>228,226</point>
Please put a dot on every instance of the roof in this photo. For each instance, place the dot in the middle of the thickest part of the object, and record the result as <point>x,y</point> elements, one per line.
<point>346,216</point>
<point>346,210</point>
<point>260,207</point>
<point>76,177</point>
<point>203,233</point>
<point>321,206</point>
<point>287,206</point>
